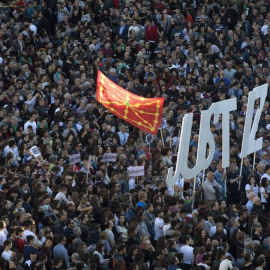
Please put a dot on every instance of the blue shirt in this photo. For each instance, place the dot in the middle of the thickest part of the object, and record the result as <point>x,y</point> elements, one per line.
<point>59,251</point>
<point>141,204</point>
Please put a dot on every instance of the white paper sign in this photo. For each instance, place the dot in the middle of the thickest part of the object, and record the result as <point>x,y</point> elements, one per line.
<point>36,153</point>
<point>136,171</point>
<point>149,138</point>
<point>76,158</point>
<point>107,157</point>
<point>163,123</point>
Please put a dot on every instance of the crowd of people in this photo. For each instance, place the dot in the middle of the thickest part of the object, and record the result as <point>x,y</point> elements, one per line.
<point>67,208</point>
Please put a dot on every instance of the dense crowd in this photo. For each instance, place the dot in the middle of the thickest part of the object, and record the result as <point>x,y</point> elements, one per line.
<point>70,209</point>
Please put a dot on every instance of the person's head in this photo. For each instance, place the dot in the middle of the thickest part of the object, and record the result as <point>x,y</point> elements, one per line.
<point>257,201</point>
<point>63,215</point>
<point>210,176</point>
<point>260,262</point>
<point>251,195</point>
<point>7,245</point>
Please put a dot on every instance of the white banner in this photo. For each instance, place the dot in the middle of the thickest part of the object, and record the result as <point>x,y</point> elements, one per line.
<point>136,171</point>
<point>76,158</point>
<point>107,157</point>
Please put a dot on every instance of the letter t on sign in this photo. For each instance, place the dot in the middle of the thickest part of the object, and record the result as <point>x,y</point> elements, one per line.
<point>249,144</point>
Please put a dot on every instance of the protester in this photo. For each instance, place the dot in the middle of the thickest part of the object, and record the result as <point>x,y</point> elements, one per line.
<point>63,205</point>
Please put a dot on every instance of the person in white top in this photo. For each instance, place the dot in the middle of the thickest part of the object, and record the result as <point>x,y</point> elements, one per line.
<point>187,250</point>
<point>217,228</point>
<point>266,174</point>
<point>123,135</point>
<point>31,122</point>
<point>30,229</point>
<point>13,149</point>
<point>3,237</point>
<point>167,225</point>
<point>252,186</point>
<point>61,195</point>
<point>225,265</point>
<point>31,101</point>
<point>7,252</point>
<point>264,191</point>
<point>159,223</point>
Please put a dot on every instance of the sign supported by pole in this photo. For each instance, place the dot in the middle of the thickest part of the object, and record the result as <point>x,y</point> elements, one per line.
<point>206,143</point>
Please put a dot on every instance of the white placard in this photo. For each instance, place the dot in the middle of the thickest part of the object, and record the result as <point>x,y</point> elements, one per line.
<point>107,157</point>
<point>136,171</point>
<point>76,158</point>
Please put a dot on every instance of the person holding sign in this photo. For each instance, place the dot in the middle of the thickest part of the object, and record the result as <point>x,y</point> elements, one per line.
<point>233,184</point>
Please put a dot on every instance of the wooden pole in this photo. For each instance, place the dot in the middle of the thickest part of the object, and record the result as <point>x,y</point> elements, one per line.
<point>254,158</point>
<point>202,182</point>
<point>88,168</point>
<point>194,187</point>
<point>161,133</point>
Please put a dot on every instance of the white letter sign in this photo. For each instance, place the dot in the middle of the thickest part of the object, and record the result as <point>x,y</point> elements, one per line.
<point>205,138</point>
<point>249,144</point>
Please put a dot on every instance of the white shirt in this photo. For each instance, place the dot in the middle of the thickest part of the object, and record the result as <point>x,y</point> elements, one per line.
<point>213,231</point>
<point>3,238</point>
<point>188,254</point>
<point>255,189</point>
<point>33,124</point>
<point>14,152</point>
<point>131,183</point>
<point>159,223</point>
<point>33,28</point>
<point>265,175</point>
<point>166,228</point>
<point>31,104</point>
<point>7,255</point>
<point>26,233</point>
<point>123,137</point>
<point>61,197</point>
<point>249,206</point>
<point>263,199</point>
<point>225,265</point>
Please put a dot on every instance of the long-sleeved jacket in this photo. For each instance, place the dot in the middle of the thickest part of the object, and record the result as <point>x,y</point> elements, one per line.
<point>209,191</point>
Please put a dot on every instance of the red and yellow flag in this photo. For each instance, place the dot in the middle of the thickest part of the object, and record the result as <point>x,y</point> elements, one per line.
<point>143,113</point>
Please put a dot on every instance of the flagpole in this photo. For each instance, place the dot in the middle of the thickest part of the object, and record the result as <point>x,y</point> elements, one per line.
<point>194,187</point>
<point>241,168</point>
<point>254,159</point>
<point>225,185</point>
<point>202,183</point>
<point>88,169</point>
<point>161,133</point>
<point>39,163</point>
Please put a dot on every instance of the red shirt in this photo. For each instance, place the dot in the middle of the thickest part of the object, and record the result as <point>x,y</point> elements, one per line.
<point>151,33</point>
